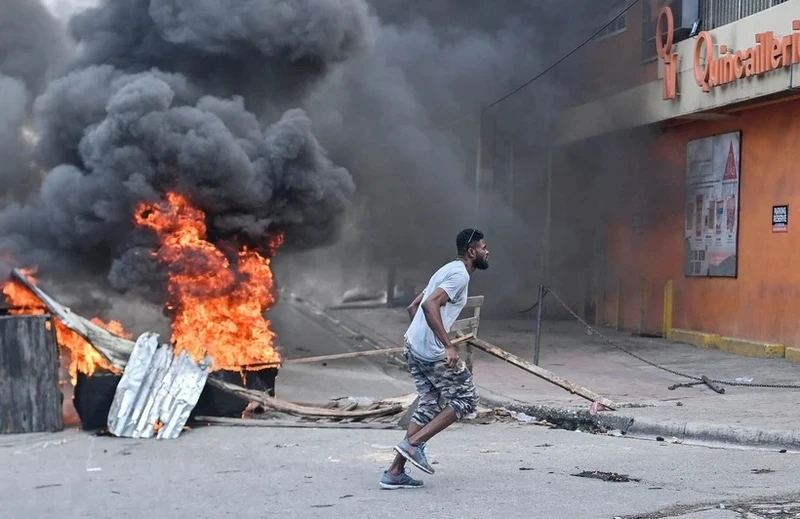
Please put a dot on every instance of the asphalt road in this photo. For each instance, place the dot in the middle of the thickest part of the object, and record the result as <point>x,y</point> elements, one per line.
<point>499,470</point>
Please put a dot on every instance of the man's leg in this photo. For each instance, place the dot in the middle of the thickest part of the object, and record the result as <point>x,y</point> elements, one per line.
<point>427,406</point>
<point>399,463</point>
<point>457,386</point>
<point>440,422</point>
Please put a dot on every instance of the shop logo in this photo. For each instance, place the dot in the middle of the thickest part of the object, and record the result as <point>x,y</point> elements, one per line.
<point>770,53</point>
<point>665,34</point>
<point>711,69</point>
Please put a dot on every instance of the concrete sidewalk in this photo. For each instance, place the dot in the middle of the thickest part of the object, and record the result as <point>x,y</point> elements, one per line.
<point>748,416</point>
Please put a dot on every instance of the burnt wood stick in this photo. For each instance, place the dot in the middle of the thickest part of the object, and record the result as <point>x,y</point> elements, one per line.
<point>323,358</point>
<point>685,384</point>
<point>276,404</point>
<point>258,422</point>
<point>707,381</point>
<point>542,373</point>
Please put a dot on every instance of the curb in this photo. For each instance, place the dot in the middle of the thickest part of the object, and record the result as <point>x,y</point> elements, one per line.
<point>571,418</point>
<point>741,347</point>
<point>792,355</point>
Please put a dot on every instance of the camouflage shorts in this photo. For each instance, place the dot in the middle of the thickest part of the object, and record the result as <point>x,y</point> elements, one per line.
<point>438,385</point>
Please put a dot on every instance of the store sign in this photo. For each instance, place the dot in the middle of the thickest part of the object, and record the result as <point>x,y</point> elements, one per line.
<point>665,26</point>
<point>714,68</point>
<point>780,218</point>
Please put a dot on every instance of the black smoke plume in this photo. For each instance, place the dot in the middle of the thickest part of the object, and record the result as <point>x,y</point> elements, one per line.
<point>268,114</point>
<point>31,44</point>
<point>175,95</point>
<point>404,119</point>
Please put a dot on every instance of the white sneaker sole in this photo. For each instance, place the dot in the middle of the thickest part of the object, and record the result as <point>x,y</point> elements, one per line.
<point>396,487</point>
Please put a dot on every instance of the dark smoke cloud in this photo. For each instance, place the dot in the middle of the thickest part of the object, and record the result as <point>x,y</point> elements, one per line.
<point>14,170</point>
<point>31,44</point>
<point>384,118</point>
<point>271,52</point>
<point>196,98</point>
<point>217,99</point>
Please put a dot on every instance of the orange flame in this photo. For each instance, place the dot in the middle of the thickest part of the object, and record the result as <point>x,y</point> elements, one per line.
<point>83,357</point>
<point>217,306</point>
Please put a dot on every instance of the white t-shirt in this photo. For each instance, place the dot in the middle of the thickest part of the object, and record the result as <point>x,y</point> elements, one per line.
<point>453,278</point>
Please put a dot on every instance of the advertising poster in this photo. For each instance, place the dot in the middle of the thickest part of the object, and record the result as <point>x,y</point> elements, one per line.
<point>713,170</point>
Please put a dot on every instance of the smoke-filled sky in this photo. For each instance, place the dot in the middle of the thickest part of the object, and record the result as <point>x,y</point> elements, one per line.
<point>169,94</point>
<point>320,118</point>
<point>385,116</point>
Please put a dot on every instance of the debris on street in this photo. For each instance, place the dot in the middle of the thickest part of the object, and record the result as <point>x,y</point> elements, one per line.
<point>704,380</point>
<point>595,408</point>
<point>606,476</point>
<point>340,413</point>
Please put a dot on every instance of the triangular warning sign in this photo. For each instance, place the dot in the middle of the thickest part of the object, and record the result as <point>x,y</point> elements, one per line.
<point>730,166</point>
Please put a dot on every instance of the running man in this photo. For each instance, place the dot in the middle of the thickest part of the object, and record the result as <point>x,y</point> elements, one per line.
<point>432,360</point>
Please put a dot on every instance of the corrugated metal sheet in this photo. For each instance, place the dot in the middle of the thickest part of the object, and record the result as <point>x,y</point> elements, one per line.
<point>156,388</point>
<point>116,349</point>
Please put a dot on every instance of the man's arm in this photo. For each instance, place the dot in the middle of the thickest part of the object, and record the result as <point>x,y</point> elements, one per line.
<point>433,315</point>
<point>414,306</point>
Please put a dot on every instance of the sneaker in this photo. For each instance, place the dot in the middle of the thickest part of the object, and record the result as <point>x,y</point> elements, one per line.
<point>402,480</point>
<point>416,455</point>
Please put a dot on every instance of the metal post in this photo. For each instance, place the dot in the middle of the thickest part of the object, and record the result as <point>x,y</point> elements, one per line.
<point>539,305</point>
<point>391,281</point>
<point>546,250</point>
<point>510,185</point>
<point>478,164</point>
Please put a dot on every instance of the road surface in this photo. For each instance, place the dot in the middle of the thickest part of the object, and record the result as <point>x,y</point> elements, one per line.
<point>498,470</point>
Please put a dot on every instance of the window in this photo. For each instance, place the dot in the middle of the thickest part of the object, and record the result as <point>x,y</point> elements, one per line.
<point>712,14</point>
<point>716,13</point>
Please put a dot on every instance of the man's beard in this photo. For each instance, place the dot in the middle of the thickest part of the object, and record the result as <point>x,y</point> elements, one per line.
<point>481,263</point>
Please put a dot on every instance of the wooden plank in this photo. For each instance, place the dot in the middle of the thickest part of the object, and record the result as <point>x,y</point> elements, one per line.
<point>30,398</point>
<point>257,422</point>
<point>354,354</point>
<point>276,404</point>
<point>474,301</point>
<point>464,324</point>
<point>477,317</point>
<point>115,349</point>
<point>542,373</point>
<point>325,358</point>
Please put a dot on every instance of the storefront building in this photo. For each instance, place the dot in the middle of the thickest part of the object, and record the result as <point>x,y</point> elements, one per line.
<point>705,248</point>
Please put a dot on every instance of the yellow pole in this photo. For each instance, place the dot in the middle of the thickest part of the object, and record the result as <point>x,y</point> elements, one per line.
<point>598,308</point>
<point>668,301</point>
<point>619,305</point>
<point>645,295</point>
